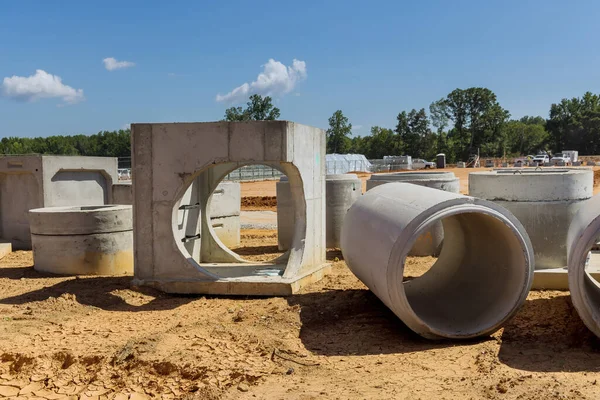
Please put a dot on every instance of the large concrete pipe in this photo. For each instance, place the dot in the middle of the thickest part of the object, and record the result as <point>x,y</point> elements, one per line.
<point>430,242</point>
<point>585,290</point>
<point>341,192</point>
<point>544,200</point>
<point>86,240</point>
<point>483,273</point>
<point>434,179</point>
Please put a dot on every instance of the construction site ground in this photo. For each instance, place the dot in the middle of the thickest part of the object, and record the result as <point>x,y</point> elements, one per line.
<point>102,338</point>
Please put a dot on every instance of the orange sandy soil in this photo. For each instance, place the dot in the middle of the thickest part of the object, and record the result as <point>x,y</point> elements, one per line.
<point>261,195</point>
<point>102,338</point>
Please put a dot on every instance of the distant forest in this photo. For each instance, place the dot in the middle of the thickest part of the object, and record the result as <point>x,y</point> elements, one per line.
<point>459,125</point>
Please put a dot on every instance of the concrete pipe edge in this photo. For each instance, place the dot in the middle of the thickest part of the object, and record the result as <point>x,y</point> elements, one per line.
<point>80,220</point>
<point>584,289</point>
<point>375,249</point>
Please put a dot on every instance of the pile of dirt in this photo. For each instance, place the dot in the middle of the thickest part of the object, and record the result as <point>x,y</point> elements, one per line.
<point>259,203</point>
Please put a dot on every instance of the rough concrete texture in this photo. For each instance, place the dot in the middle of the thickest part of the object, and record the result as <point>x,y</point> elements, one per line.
<point>480,279</point>
<point>544,200</point>
<point>122,194</point>
<point>28,182</point>
<point>430,242</point>
<point>227,230</point>
<point>341,190</point>
<point>182,257</point>
<point>87,240</point>
<point>585,290</point>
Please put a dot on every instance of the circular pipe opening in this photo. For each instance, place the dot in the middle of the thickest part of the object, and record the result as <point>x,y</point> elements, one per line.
<point>584,269</point>
<point>481,276</point>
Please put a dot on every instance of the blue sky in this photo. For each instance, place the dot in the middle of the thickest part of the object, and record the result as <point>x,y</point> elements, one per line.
<point>370,59</point>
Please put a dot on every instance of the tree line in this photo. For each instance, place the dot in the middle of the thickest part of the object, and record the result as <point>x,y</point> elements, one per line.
<point>461,124</point>
<point>468,121</point>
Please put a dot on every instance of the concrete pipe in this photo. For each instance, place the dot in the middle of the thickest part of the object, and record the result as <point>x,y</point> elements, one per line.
<point>430,242</point>
<point>341,192</point>
<point>87,240</point>
<point>483,273</point>
<point>434,179</point>
<point>544,200</point>
<point>285,214</point>
<point>585,290</point>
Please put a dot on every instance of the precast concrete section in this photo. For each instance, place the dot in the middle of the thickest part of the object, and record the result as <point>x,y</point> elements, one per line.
<point>585,290</point>
<point>84,240</point>
<point>544,200</point>
<point>429,243</point>
<point>28,182</point>
<point>341,190</point>
<point>434,179</point>
<point>187,256</point>
<point>481,277</point>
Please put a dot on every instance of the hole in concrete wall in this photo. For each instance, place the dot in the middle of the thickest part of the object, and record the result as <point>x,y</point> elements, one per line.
<point>257,239</point>
<point>477,276</point>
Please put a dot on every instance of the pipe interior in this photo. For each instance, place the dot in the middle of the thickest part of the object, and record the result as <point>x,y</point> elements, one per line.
<point>477,279</point>
<point>591,286</point>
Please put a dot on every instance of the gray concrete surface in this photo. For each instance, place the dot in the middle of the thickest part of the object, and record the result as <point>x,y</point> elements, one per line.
<point>480,279</point>
<point>341,190</point>
<point>585,290</point>
<point>168,158</point>
<point>430,242</point>
<point>84,240</point>
<point>28,182</point>
<point>122,193</point>
<point>544,200</point>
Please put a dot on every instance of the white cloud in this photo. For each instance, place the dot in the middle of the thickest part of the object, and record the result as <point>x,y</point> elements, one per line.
<point>125,127</point>
<point>357,127</point>
<point>42,85</point>
<point>111,64</point>
<point>275,80</point>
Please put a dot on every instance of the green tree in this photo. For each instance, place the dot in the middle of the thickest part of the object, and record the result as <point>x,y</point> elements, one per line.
<point>414,137</point>
<point>478,121</point>
<point>525,136</point>
<point>338,140</point>
<point>574,124</point>
<point>379,143</point>
<point>257,109</point>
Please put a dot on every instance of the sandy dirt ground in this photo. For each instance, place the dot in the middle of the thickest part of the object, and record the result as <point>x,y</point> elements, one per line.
<point>101,338</point>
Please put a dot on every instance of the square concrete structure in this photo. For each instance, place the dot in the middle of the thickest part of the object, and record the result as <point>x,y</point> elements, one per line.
<point>35,181</point>
<point>168,158</point>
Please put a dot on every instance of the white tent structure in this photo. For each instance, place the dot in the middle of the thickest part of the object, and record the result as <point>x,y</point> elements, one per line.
<point>344,163</point>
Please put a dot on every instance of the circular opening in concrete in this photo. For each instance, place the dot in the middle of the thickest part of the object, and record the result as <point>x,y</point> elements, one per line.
<point>252,234</point>
<point>476,281</point>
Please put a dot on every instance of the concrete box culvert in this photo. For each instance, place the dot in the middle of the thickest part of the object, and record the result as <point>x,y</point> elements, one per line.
<point>482,275</point>
<point>545,202</point>
<point>585,290</point>
<point>82,240</point>
<point>430,242</point>
<point>341,191</point>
